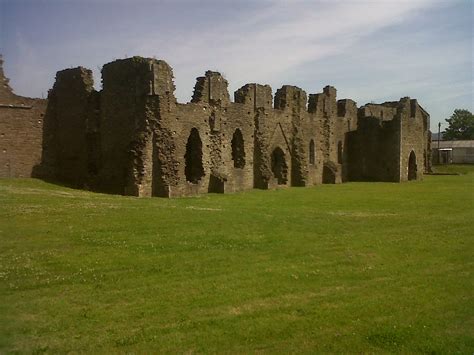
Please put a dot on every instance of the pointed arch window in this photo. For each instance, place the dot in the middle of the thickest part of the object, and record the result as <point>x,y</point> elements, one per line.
<point>194,169</point>
<point>279,166</point>
<point>238,149</point>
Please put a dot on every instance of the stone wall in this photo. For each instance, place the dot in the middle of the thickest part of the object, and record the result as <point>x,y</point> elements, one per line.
<point>387,135</point>
<point>21,127</point>
<point>414,139</point>
<point>153,146</point>
<point>122,119</point>
<point>133,137</point>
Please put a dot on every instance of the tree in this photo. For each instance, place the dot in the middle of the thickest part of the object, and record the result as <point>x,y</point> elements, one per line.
<point>461,126</point>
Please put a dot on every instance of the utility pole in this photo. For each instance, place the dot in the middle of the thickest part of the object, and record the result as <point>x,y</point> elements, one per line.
<point>439,136</point>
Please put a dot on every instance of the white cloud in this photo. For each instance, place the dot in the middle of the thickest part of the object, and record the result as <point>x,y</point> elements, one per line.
<point>28,73</point>
<point>273,42</point>
<point>261,47</point>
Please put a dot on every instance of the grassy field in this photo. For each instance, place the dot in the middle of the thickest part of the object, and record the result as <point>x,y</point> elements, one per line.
<point>358,267</point>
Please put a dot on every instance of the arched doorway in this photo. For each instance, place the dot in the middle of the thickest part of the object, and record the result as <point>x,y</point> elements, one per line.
<point>238,149</point>
<point>412,168</point>
<point>329,174</point>
<point>193,170</point>
<point>279,167</point>
<point>312,155</point>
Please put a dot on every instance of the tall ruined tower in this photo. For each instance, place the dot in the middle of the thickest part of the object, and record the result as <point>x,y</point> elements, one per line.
<point>68,151</point>
<point>137,95</point>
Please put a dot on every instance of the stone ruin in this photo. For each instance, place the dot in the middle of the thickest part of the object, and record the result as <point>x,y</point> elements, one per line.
<point>133,137</point>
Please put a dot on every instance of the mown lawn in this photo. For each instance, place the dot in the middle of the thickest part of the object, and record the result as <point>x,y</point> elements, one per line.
<point>358,267</point>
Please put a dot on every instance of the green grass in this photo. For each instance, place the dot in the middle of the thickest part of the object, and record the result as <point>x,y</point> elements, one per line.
<point>357,267</point>
<point>453,168</point>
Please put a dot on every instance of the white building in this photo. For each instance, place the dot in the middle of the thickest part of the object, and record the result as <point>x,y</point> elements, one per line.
<point>453,152</point>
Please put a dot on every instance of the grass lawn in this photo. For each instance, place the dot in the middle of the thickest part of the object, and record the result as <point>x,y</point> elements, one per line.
<point>357,267</point>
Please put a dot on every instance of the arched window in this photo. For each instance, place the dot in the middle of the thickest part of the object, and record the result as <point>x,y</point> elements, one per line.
<point>279,167</point>
<point>238,149</point>
<point>339,152</point>
<point>412,169</point>
<point>312,156</point>
<point>193,170</point>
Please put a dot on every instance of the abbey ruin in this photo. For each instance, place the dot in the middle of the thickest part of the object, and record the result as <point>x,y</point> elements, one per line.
<point>132,137</point>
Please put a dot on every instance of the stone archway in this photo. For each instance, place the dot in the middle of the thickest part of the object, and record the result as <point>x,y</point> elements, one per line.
<point>279,166</point>
<point>412,166</point>
<point>329,174</point>
<point>193,170</point>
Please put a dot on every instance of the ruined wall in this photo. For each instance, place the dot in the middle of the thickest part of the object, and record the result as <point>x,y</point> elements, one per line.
<point>137,146</point>
<point>134,138</point>
<point>21,125</point>
<point>333,120</point>
<point>123,123</point>
<point>387,135</point>
<point>414,138</point>
<point>346,123</point>
<point>214,145</point>
<point>199,135</point>
<point>255,102</point>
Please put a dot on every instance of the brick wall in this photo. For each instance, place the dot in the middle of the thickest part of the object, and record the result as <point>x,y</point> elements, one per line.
<point>21,129</point>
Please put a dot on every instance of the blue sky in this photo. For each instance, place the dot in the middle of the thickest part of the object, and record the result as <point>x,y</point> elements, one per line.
<point>371,51</point>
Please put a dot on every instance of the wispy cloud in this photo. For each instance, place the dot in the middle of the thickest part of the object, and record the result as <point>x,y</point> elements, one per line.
<point>258,47</point>
<point>370,50</point>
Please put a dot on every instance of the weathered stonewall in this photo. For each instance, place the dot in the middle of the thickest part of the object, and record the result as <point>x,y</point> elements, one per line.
<point>134,138</point>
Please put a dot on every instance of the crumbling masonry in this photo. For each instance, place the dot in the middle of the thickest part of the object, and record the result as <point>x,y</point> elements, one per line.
<point>134,138</point>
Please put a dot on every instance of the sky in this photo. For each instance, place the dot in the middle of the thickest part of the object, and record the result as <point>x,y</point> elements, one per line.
<point>370,50</point>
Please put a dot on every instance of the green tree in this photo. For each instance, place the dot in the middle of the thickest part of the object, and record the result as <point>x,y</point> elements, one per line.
<point>461,125</point>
